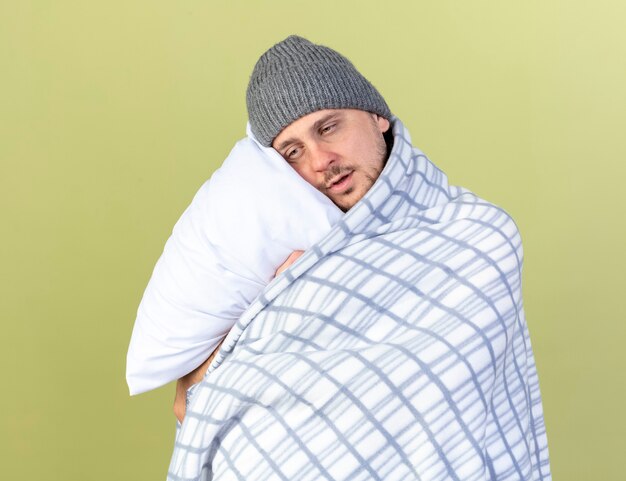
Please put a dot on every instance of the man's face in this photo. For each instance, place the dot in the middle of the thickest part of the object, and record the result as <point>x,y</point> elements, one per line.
<point>340,152</point>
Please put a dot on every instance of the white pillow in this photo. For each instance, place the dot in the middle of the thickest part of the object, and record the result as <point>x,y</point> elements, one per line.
<point>242,224</point>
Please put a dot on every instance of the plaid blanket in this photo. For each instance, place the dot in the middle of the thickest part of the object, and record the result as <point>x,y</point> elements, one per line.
<point>395,348</point>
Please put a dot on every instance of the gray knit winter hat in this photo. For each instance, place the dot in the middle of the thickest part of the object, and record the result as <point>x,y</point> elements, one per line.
<point>296,77</point>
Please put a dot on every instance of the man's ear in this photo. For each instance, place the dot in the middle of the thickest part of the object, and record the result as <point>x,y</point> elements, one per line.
<point>383,123</point>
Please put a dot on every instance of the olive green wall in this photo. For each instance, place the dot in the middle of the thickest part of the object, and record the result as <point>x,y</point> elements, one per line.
<point>113,113</point>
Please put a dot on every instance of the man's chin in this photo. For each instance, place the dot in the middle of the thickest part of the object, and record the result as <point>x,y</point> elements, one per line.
<point>346,200</point>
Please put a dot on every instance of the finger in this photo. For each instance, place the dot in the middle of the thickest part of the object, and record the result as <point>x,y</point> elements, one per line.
<point>290,260</point>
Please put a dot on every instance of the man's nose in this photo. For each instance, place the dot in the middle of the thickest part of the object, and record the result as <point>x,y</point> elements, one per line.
<point>322,156</point>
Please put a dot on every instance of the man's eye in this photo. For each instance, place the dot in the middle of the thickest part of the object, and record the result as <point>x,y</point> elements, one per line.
<point>327,128</point>
<point>293,153</point>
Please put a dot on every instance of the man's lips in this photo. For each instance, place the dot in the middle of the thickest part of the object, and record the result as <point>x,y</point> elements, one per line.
<point>340,183</point>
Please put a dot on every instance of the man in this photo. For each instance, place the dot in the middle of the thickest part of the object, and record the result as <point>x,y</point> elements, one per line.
<point>397,348</point>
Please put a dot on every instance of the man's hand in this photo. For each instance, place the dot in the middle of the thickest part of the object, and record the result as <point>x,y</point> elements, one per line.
<point>185,382</point>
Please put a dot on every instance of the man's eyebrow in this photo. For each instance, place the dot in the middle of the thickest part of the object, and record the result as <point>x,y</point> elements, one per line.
<point>318,123</point>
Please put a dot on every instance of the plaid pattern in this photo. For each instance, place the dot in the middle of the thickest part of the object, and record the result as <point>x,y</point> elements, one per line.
<point>396,348</point>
